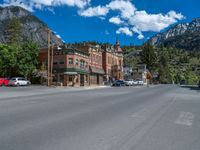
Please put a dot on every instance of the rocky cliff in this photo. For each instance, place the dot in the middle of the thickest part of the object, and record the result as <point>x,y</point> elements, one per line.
<point>185,36</point>
<point>32,27</point>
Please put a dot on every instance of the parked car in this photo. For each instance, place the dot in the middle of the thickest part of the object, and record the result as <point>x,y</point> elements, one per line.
<point>118,83</point>
<point>135,82</point>
<point>128,82</point>
<point>4,81</point>
<point>140,82</point>
<point>18,81</point>
<point>198,84</point>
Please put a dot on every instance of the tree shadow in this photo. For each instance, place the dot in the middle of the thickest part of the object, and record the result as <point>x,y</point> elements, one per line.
<point>191,87</point>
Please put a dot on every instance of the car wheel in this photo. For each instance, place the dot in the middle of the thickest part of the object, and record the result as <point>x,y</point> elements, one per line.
<point>18,84</point>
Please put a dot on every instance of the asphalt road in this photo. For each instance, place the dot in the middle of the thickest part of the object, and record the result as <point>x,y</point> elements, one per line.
<point>163,117</point>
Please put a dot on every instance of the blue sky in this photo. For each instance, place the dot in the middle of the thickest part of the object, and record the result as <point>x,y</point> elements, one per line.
<point>133,21</point>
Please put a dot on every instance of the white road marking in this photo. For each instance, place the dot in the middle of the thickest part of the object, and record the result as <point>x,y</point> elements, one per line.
<point>185,118</point>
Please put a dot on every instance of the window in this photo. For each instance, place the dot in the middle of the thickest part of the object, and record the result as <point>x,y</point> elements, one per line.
<point>82,63</point>
<point>70,61</point>
<point>61,62</point>
<point>45,62</point>
<point>109,60</point>
<point>76,61</point>
<point>86,64</point>
<point>55,62</point>
<point>70,78</point>
<point>86,78</point>
<point>97,58</point>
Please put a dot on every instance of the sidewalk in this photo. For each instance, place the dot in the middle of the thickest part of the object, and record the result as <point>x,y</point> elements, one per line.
<point>14,92</point>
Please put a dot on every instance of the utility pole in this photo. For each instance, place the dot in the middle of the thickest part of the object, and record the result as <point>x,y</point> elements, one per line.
<point>48,68</point>
<point>51,70</point>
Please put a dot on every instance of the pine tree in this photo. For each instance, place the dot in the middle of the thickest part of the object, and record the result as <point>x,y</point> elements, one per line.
<point>13,31</point>
<point>148,56</point>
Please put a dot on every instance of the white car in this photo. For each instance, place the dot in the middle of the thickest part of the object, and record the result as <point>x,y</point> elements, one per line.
<point>18,81</point>
<point>128,82</point>
<point>140,82</point>
<point>135,82</point>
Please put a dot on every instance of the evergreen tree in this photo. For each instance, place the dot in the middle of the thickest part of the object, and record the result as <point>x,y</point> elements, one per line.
<point>148,56</point>
<point>13,31</point>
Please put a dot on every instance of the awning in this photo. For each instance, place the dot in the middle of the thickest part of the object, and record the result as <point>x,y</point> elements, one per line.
<point>96,70</point>
<point>70,73</point>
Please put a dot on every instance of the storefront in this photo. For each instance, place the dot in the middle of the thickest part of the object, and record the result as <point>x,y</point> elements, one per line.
<point>76,77</point>
<point>96,76</point>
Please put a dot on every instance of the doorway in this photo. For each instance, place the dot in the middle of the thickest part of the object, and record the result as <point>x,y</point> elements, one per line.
<point>82,80</point>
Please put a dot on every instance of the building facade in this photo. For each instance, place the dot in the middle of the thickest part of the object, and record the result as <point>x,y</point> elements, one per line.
<point>70,66</point>
<point>85,65</point>
<point>113,62</point>
<point>95,63</point>
<point>140,73</point>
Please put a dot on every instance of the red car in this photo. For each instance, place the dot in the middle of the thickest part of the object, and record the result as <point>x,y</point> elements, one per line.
<point>4,81</point>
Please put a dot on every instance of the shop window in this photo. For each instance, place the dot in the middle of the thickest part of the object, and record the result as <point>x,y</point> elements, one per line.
<point>87,79</point>
<point>70,61</point>
<point>61,78</point>
<point>77,79</point>
<point>70,79</point>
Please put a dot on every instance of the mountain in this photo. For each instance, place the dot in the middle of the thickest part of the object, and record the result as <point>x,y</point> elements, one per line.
<point>184,36</point>
<point>32,27</point>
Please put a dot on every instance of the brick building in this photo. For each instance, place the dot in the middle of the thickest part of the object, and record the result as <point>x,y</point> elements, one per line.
<point>113,62</point>
<point>70,66</point>
<point>85,65</point>
<point>95,63</point>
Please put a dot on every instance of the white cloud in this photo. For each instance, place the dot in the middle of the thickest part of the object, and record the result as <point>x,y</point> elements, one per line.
<point>77,3</point>
<point>153,22</point>
<point>125,7</point>
<point>174,15</point>
<point>129,16</point>
<point>115,20</point>
<point>94,11</point>
<point>17,3</point>
<point>124,30</point>
<point>31,5</point>
<point>140,35</point>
